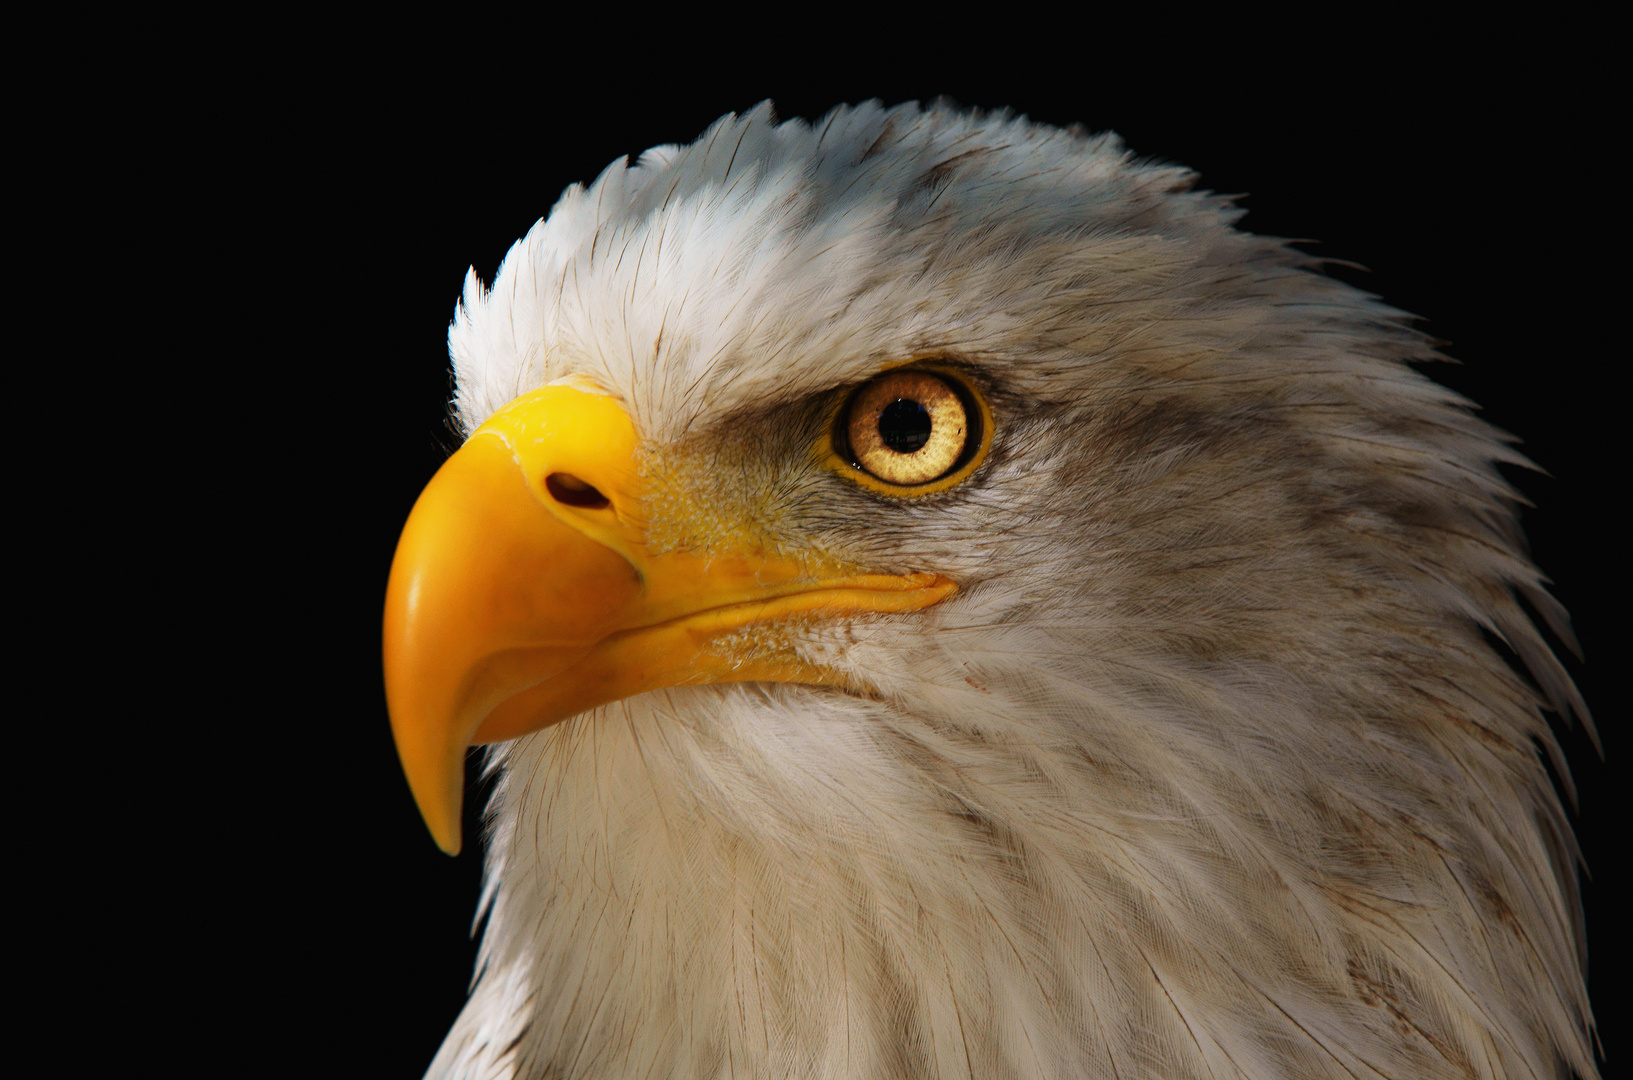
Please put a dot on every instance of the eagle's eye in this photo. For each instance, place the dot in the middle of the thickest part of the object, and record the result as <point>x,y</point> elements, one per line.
<point>909,428</point>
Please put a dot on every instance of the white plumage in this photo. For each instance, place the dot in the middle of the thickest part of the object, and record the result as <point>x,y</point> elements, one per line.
<point>1207,771</point>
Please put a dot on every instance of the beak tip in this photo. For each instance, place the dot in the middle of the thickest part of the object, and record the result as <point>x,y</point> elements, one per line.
<point>443,822</point>
<point>443,815</point>
<point>437,786</point>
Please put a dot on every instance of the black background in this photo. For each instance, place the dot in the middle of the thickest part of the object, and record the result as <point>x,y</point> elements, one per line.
<point>318,211</point>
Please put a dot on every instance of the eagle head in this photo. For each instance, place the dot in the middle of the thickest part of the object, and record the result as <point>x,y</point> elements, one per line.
<point>940,601</point>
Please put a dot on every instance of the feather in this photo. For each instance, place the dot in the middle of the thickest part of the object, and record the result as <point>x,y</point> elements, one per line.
<point>1210,769</point>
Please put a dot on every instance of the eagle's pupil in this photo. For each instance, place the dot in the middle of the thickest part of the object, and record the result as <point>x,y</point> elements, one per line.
<point>904,425</point>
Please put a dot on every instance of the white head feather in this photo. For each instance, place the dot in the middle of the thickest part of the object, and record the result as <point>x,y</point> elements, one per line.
<point>1209,770</point>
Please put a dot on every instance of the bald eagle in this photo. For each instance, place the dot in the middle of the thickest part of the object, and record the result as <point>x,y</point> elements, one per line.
<point>941,601</point>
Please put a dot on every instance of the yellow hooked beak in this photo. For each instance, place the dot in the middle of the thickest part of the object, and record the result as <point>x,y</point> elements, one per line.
<point>523,593</point>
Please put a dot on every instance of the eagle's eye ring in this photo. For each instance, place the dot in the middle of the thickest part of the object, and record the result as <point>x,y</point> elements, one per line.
<point>911,431</point>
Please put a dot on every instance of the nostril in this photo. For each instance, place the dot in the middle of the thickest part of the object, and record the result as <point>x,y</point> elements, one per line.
<point>569,489</point>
